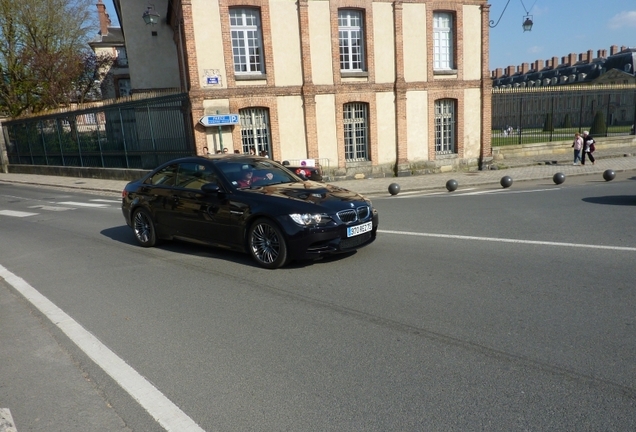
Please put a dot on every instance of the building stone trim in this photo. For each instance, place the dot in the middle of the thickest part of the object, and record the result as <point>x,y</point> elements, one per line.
<point>266,34</point>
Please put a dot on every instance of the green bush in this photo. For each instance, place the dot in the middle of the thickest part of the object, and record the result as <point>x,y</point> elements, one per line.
<point>598,127</point>
<point>548,126</point>
<point>567,123</point>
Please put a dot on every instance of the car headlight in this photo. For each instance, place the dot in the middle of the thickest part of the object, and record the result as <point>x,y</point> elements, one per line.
<point>306,219</point>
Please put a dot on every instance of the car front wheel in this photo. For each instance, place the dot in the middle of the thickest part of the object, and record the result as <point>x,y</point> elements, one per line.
<point>267,244</point>
<point>144,228</point>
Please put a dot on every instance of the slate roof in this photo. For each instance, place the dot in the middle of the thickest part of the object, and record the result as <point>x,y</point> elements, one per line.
<point>578,73</point>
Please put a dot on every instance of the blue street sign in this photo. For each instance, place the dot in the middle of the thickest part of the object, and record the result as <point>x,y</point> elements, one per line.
<point>219,120</point>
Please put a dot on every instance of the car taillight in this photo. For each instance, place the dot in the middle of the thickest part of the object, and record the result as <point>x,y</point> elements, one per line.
<point>124,194</point>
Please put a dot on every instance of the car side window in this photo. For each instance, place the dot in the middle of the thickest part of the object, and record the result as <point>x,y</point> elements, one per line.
<point>194,176</point>
<point>165,177</point>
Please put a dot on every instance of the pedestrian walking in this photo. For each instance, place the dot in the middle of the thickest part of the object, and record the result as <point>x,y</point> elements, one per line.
<point>588,148</point>
<point>577,145</point>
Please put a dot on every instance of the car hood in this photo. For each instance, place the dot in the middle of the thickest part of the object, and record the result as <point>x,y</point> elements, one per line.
<point>311,192</point>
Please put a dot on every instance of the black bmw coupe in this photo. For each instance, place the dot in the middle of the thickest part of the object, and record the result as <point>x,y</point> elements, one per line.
<point>250,204</point>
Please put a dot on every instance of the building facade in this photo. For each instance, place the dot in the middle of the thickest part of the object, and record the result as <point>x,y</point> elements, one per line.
<point>571,90</point>
<point>365,87</point>
<point>109,42</point>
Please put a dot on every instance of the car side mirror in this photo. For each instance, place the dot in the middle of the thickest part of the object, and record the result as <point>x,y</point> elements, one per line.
<point>211,188</point>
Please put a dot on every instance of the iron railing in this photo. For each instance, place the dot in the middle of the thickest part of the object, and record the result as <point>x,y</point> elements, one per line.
<point>545,114</point>
<point>139,134</point>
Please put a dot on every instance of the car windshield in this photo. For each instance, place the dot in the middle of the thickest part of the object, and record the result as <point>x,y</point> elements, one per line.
<point>255,173</point>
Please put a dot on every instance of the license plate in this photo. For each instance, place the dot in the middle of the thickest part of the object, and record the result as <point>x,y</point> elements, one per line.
<point>359,229</point>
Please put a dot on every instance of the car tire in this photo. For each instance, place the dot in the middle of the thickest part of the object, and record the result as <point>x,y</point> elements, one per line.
<point>267,244</point>
<point>144,228</point>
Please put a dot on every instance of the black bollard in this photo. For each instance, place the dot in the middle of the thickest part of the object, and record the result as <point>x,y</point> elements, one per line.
<point>609,175</point>
<point>451,185</point>
<point>394,188</point>
<point>558,178</point>
<point>506,182</point>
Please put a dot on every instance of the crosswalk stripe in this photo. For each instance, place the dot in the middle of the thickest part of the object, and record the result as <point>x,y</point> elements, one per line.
<point>81,204</point>
<point>51,208</point>
<point>107,201</point>
<point>14,213</point>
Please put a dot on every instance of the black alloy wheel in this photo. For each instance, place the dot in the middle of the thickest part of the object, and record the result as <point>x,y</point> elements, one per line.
<point>267,244</point>
<point>144,228</point>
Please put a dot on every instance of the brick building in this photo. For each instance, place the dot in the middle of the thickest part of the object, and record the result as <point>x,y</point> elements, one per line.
<point>367,87</point>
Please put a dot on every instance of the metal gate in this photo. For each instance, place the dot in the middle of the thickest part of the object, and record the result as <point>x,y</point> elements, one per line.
<point>138,134</point>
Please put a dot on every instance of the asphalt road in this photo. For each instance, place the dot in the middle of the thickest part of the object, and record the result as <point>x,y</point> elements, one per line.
<point>481,309</point>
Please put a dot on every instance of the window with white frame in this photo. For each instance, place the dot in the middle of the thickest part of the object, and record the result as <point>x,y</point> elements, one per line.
<point>247,42</point>
<point>351,37</point>
<point>445,126</point>
<point>443,41</point>
<point>255,131</point>
<point>356,131</point>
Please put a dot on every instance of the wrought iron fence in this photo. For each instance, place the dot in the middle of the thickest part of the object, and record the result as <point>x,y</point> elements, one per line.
<point>138,134</point>
<point>528,115</point>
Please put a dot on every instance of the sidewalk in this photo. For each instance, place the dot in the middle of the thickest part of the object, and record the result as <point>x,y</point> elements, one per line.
<point>519,169</point>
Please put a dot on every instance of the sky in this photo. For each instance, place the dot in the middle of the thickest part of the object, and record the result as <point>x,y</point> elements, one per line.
<point>110,10</point>
<point>560,27</point>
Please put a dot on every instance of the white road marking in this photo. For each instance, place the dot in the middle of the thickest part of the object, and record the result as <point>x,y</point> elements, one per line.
<point>6,421</point>
<point>462,193</point>
<point>166,413</point>
<point>507,191</point>
<point>417,194</point>
<point>81,204</point>
<point>51,208</point>
<point>14,213</point>
<point>107,201</point>
<point>504,240</point>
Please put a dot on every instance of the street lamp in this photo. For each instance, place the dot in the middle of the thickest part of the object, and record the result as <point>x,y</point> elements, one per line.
<point>527,23</point>
<point>151,16</point>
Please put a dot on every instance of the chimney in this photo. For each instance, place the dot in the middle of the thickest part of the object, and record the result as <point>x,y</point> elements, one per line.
<point>510,71</point>
<point>525,68</point>
<point>590,56</point>
<point>572,59</point>
<point>498,73</point>
<point>623,48</point>
<point>104,20</point>
<point>602,53</point>
<point>564,60</point>
<point>538,65</point>
<point>613,49</point>
<point>555,62</point>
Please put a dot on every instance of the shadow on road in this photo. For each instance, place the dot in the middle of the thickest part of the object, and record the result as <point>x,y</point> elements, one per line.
<point>121,234</point>
<point>624,200</point>
<point>124,234</point>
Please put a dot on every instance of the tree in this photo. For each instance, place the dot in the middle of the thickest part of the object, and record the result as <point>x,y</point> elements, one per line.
<point>567,123</point>
<point>43,48</point>
<point>548,126</point>
<point>598,126</point>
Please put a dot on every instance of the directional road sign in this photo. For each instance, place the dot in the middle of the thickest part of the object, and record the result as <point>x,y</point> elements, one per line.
<point>219,120</point>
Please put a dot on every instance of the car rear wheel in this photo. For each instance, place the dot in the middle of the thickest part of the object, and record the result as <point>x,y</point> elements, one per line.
<point>144,228</point>
<point>267,244</point>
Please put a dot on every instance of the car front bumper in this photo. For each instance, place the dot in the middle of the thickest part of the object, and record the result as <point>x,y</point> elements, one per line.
<point>314,242</point>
